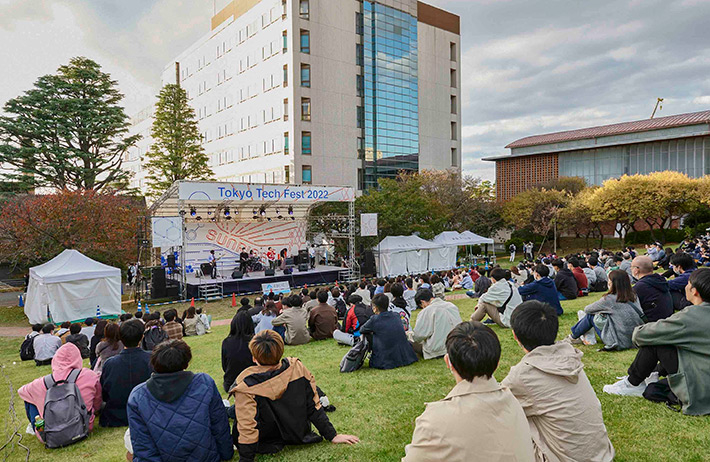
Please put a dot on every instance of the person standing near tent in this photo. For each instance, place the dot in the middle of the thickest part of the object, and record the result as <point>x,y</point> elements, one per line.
<point>512,248</point>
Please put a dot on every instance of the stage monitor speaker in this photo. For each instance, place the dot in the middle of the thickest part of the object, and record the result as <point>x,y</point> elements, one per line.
<point>269,272</point>
<point>368,263</point>
<point>171,261</point>
<point>157,286</point>
<point>206,269</point>
<point>303,267</point>
<point>303,256</point>
<point>236,274</point>
<point>289,262</point>
<point>288,271</point>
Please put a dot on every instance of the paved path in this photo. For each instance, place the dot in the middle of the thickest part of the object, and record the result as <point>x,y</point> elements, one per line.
<point>19,331</point>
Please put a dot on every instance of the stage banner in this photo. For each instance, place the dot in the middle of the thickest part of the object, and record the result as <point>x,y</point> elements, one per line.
<point>247,193</point>
<point>368,224</point>
<point>282,287</point>
<point>166,231</point>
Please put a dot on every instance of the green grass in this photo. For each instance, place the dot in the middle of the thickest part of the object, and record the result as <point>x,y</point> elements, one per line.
<point>380,406</point>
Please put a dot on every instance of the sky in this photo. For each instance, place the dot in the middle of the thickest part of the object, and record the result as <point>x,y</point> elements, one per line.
<point>529,66</point>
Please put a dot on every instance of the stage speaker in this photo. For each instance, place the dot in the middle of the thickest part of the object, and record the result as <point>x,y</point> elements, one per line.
<point>269,272</point>
<point>236,274</point>
<point>206,270</point>
<point>157,286</point>
<point>303,267</point>
<point>171,261</point>
<point>303,256</point>
<point>289,262</point>
<point>368,263</point>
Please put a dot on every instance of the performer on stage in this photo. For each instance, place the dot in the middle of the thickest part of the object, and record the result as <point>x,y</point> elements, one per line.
<point>212,260</point>
<point>312,255</point>
<point>271,257</point>
<point>243,261</point>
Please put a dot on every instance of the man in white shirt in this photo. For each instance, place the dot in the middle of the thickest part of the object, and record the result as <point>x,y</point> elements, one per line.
<point>45,345</point>
<point>312,255</point>
<point>499,301</point>
<point>89,329</point>
<point>364,293</point>
<point>409,294</point>
<point>437,319</point>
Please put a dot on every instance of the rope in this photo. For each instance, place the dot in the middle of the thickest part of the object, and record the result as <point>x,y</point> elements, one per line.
<point>12,424</point>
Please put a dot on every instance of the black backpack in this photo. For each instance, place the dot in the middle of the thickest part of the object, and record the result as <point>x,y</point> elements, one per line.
<point>341,308</point>
<point>355,358</point>
<point>27,349</point>
<point>153,337</point>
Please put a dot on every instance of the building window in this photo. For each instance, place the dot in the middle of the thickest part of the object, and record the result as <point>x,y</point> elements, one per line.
<point>285,40</point>
<point>284,9</point>
<point>306,109</point>
<point>306,143</point>
<point>360,180</point>
<point>306,75</point>
<point>453,104</point>
<point>285,109</point>
<point>306,174</point>
<point>360,84</point>
<point>359,24</point>
<point>304,9</point>
<point>285,75</point>
<point>286,144</point>
<point>359,54</point>
<point>360,117</point>
<point>454,132</point>
<point>287,174</point>
<point>305,41</point>
<point>453,78</point>
<point>452,47</point>
<point>454,157</point>
<point>360,147</point>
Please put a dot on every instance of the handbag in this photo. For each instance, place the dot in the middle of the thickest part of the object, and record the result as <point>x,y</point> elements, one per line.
<point>501,309</point>
<point>641,314</point>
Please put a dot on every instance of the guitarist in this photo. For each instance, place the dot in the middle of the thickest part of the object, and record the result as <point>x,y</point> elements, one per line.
<point>212,260</point>
<point>243,261</point>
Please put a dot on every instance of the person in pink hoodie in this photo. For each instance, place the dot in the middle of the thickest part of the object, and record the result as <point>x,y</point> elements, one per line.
<point>66,359</point>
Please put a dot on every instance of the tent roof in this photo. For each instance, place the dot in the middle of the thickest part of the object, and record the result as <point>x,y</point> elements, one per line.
<point>405,243</point>
<point>71,265</point>
<point>476,239</point>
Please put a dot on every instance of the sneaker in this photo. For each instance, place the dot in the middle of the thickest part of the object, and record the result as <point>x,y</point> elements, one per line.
<point>624,388</point>
<point>573,341</point>
<point>489,322</point>
<point>653,378</point>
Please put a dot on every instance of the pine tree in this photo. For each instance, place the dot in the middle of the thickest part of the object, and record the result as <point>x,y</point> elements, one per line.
<point>68,132</point>
<point>176,153</point>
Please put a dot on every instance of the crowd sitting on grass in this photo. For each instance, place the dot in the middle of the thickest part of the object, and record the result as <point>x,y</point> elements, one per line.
<point>545,409</point>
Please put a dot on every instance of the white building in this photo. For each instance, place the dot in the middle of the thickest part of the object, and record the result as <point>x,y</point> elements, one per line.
<point>336,92</point>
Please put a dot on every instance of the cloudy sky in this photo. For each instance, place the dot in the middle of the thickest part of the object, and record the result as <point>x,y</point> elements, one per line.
<point>530,66</point>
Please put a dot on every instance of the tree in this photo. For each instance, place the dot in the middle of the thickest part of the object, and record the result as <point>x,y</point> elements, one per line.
<point>68,132</point>
<point>177,152</point>
<point>578,217</point>
<point>36,228</point>
<point>535,209</point>
<point>571,184</point>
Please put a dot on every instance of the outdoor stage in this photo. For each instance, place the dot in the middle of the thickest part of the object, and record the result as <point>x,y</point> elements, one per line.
<point>252,283</point>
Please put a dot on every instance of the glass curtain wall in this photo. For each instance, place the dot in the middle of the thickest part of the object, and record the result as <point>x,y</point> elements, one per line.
<point>391,93</point>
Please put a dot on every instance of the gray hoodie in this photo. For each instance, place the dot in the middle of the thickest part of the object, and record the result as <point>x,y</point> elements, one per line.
<point>617,321</point>
<point>563,411</point>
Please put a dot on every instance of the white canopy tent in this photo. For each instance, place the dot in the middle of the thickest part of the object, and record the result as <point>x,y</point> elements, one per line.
<point>475,239</point>
<point>405,255</point>
<point>71,287</point>
<point>453,239</point>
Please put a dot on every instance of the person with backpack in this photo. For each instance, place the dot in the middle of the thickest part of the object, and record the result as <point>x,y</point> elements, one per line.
<point>276,402</point>
<point>390,348</point>
<point>46,345</point>
<point>121,373</point>
<point>54,399</point>
<point>153,333</point>
<point>323,319</point>
<point>357,315</point>
<point>499,301</point>
<point>27,348</point>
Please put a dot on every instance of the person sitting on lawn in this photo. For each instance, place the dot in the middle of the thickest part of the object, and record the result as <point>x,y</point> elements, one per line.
<point>262,321</point>
<point>613,317</point>
<point>434,323</point>
<point>579,276</point>
<point>177,414</point>
<point>399,305</point>
<point>122,373</point>
<point>363,292</point>
<point>565,281</point>
<point>542,288</point>
<point>479,420</point>
<point>409,294</point>
<point>235,348</point>
<point>678,348</point>
<point>499,301</point>
<point>563,411</point>
<point>652,290</point>
<point>109,346</point>
<point>46,345</point>
<point>390,348</point>
<point>600,276</point>
<point>356,317</point>
<point>172,327</point>
<point>295,319</point>
<point>323,319</point>
<point>80,340</point>
<point>276,402</point>
<point>683,266</point>
<point>66,360</point>
<point>63,331</point>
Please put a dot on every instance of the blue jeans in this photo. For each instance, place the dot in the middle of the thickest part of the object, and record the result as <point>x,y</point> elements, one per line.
<point>584,325</point>
<point>281,330</point>
<point>471,294</point>
<point>32,412</point>
<point>561,297</point>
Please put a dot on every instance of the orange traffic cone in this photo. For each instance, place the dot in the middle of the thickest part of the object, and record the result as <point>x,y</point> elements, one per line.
<point>192,302</point>
<point>234,300</point>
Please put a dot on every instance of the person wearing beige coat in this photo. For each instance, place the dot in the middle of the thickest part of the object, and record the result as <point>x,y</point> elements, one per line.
<point>479,420</point>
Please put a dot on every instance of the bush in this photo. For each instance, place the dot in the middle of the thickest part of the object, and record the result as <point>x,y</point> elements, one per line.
<point>644,237</point>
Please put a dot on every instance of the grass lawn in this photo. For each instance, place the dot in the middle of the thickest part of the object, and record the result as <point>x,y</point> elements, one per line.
<point>380,406</point>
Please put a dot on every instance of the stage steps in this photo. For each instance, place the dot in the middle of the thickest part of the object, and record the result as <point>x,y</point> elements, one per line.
<point>350,274</point>
<point>211,292</point>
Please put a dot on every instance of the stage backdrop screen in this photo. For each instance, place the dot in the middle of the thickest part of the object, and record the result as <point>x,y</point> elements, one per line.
<point>166,231</point>
<point>240,192</point>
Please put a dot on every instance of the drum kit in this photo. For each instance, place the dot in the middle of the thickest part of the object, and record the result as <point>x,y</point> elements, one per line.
<point>254,264</point>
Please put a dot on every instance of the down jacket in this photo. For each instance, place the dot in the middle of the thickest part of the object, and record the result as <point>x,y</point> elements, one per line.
<point>179,417</point>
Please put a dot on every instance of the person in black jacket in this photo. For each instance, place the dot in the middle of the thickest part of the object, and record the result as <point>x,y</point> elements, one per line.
<point>564,281</point>
<point>95,340</point>
<point>390,347</point>
<point>121,373</point>
<point>276,402</point>
<point>652,289</point>
<point>235,348</point>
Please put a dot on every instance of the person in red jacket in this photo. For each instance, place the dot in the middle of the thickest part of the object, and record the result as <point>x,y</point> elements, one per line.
<point>579,276</point>
<point>357,315</point>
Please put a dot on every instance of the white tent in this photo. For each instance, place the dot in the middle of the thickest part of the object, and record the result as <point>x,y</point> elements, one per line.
<point>474,239</point>
<point>71,287</point>
<point>453,239</point>
<point>404,255</point>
